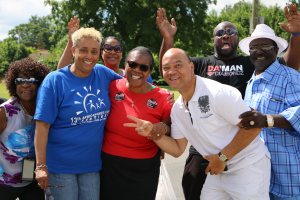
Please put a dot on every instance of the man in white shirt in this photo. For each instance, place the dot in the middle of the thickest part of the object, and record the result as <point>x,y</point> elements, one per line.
<point>206,115</point>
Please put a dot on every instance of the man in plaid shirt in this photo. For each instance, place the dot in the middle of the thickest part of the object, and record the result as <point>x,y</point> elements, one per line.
<point>274,94</point>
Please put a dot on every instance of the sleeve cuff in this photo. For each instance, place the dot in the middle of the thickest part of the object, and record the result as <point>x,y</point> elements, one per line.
<point>292,115</point>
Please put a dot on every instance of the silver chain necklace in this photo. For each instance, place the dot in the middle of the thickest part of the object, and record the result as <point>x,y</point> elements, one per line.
<point>132,104</point>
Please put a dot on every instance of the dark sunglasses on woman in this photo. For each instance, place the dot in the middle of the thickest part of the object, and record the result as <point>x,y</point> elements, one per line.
<point>133,65</point>
<point>108,48</point>
<point>21,81</point>
<point>229,32</point>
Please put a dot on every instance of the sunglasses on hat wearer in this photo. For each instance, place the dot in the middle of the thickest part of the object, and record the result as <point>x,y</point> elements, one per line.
<point>264,48</point>
<point>108,48</point>
<point>133,65</point>
<point>21,81</point>
<point>229,32</point>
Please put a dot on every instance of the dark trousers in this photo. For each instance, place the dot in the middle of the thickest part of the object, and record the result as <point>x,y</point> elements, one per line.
<point>193,177</point>
<point>29,192</point>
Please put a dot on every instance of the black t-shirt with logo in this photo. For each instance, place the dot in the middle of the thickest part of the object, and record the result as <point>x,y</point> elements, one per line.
<point>235,72</point>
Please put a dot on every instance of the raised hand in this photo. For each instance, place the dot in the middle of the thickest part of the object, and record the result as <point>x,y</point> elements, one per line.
<point>293,20</point>
<point>166,29</point>
<point>73,26</point>
<point>143,127</point>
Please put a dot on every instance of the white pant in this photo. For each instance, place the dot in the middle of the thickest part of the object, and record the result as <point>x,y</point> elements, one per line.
<point>249,183</point>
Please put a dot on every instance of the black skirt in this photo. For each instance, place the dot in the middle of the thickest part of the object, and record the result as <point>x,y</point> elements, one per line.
<point>129,179</point>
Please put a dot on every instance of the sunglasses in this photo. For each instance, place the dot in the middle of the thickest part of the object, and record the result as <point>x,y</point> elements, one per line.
<point>264,48</point>
<point>133,65</point>
<point>21,81</point>
<point>108,48</point>
<point>229,32</point>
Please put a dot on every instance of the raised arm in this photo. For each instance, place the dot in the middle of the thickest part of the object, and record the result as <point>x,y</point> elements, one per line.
<point>168,31</point>
<point>292,55</point>
<point>66,57</point>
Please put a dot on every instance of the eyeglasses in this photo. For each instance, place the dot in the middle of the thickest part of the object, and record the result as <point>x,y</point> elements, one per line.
<point>229,32</point>
<point>133,65</point>
<point>264,48</point>
<point>21,81</point>
<point>108,48</point>
<point>48,192</point>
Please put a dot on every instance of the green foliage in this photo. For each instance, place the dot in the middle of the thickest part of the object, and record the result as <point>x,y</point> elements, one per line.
<point>240,13</point>
<point>10,51</point>
<point>55,53</point>
<point>31,50</point>
<point>36,31</point>
<point>4,92</point>
<point>134,21</point>
<point>295,2</point>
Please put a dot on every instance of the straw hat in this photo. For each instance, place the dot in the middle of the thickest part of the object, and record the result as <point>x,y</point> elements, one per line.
<point>263,31</point>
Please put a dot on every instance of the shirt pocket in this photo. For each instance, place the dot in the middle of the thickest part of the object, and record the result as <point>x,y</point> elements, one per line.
<point>272,104</point>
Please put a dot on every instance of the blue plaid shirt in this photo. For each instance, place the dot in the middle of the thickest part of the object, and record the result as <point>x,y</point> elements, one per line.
<point>277,91</point>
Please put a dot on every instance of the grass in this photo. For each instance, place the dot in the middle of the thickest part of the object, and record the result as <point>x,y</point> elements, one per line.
<point>176,93</point>
<point>4,92</point>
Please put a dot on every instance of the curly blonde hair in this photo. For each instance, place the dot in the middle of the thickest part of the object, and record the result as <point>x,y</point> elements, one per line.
<point>86,32</point>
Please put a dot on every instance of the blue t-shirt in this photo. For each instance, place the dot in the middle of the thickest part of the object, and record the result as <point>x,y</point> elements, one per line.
<point>149,79</point>
<point>77,109</point>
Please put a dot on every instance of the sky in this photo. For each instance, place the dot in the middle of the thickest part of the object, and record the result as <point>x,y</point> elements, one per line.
<point>16,12</point>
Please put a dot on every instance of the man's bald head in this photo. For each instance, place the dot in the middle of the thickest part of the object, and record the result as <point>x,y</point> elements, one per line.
<point>177,68</point>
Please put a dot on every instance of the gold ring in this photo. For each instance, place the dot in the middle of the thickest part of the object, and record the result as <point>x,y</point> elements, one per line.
<point>251,123</point>
<point>158,135</point>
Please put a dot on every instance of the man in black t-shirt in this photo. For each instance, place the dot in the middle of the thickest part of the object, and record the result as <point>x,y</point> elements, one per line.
<point>226,67</point>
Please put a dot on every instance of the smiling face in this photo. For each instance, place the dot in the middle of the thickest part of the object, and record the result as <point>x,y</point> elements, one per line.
<point>137,78</point>
<point>86,54</point>
<point>111,59</point>
<point>262,59</point>
<point>177,69</point>
<point>225,45</point>
<point>26,91</point>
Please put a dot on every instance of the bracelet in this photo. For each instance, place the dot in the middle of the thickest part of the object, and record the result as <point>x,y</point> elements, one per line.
<point>40,167</point>
<point>295,34</point>
<point>165,126</point>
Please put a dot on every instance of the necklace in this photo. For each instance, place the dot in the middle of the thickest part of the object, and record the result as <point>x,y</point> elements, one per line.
<point>132,104</point>
<point>24,108</point>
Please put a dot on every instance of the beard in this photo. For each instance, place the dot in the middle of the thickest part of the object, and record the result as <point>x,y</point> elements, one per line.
<point>228,52</point>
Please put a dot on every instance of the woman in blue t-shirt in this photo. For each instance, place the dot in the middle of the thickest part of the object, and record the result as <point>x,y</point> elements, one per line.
<point>72,108</point>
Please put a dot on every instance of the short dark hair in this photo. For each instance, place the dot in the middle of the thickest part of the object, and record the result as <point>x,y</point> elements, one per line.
<point>145,50</point>
<point>26,67</point>
<point>188,56</point>
<point>103,43</point>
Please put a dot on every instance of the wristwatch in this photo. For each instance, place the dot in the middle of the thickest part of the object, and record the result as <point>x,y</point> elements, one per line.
<point>223,157</point>
<point>270,121</point>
